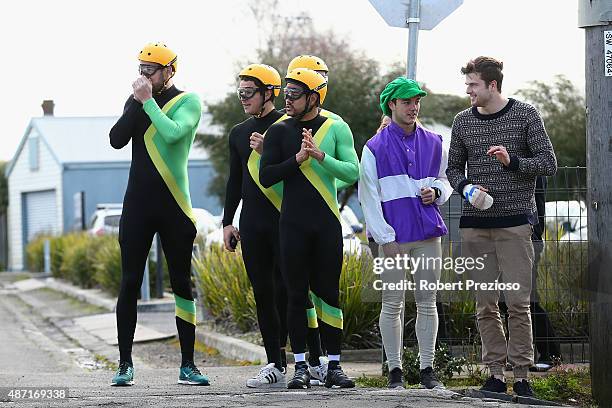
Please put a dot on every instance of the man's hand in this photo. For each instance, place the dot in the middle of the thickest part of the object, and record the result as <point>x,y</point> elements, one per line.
<point>428,195</point>
<point>302,155</point>
<point>391,249</point>
<point>143,89</point>
<point>256,142</point>
<point>229,232</point>
<point>311,147</point>
<point>500,154</point>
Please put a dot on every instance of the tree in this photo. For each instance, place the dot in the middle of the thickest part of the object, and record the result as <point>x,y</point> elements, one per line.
<point>563,110</point>
<point>355,83</point>
<point>441,108</point>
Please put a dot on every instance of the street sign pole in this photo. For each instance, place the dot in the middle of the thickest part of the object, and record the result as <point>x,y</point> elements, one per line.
<point>413,38</point>
<point>415,15</point>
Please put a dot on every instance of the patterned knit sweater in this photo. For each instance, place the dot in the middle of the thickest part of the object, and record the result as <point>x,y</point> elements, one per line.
<point>519,128</point>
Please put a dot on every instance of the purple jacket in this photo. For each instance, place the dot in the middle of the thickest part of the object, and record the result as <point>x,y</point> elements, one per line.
<point>395,166</point>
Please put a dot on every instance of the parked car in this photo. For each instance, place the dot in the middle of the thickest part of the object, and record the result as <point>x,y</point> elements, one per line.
<point>566,220</point>
<point>351,219</point>
<point>105,220</point>
<point>107,217</point>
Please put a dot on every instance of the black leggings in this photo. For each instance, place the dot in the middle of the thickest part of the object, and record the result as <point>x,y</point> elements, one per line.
<point>260,252</point>
<point>139,223</point>
<point>311,258</point>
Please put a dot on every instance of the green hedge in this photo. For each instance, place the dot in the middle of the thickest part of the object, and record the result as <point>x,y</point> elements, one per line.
<point>228,295</point>
<point>85,260</point>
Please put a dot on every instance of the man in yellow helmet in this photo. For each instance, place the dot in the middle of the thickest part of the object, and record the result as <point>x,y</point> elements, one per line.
<point>316,64</point>
<point>161,123</point>
<point>316,348</point>
<point>258,233</point>
<point>309,225</point>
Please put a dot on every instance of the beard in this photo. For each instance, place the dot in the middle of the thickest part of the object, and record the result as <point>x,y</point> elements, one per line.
<point>157,88</point>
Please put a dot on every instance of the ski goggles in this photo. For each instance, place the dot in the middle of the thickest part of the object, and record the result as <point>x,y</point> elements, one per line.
<point>293,94</point>
<point>246,92</point>
<point>148,70</point>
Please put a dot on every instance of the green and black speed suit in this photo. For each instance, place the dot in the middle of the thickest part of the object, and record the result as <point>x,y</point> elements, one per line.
<point>258,232</point>
<point>309,225</point>
<point>157,200</point>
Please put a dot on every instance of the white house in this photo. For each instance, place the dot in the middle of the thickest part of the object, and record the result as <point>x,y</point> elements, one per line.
<point>59,157</point>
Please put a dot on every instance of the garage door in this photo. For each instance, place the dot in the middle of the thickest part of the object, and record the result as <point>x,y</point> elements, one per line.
<point>40,213</point>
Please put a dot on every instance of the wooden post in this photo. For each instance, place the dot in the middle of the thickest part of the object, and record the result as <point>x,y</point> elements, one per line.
<point>599,196</point>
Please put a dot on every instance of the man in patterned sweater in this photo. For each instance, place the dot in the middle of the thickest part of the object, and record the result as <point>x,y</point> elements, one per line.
<point>505,145</point>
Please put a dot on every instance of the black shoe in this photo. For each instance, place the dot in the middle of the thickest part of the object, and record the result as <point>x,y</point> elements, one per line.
<point>396,378</point>
<point>429,379</point>
<point>522,388</point>
<point>494,385</point>
<point>301,378</point>
<point>337,379</point>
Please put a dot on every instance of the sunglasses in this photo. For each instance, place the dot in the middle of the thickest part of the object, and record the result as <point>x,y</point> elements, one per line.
<point>246,92</point>
<point>149,70</point>
<point>293,94</point>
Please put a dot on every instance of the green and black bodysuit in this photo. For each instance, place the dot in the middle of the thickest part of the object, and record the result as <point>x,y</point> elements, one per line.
<point>157,200</point>
<point>309,226</point>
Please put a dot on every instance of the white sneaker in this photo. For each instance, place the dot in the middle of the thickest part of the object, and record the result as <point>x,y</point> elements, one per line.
<point>319,373</point>
<point>268,377</point>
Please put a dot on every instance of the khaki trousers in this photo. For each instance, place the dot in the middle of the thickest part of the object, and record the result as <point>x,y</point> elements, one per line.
<point>508,257</point>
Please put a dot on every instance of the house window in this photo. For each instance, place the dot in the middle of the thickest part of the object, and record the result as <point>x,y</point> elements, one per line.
<point>33,151</point>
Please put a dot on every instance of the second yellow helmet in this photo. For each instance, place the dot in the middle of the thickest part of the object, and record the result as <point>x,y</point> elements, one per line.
<point>314,81</point>
<point>307,61</point>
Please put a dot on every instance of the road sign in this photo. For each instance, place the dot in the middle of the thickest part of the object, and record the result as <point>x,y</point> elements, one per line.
<point>432,12</point>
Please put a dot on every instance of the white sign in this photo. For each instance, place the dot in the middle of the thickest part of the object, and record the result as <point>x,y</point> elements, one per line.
<point>431,12</point>
<point>608,53</point>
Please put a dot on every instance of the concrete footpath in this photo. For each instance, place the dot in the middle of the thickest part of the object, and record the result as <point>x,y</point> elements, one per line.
<point>73,347</point>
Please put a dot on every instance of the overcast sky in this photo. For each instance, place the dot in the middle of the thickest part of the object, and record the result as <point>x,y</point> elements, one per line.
<point>82,54</point>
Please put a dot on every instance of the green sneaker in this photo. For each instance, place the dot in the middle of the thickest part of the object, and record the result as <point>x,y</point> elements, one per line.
<point>190,375</point>
<point>124,375</point>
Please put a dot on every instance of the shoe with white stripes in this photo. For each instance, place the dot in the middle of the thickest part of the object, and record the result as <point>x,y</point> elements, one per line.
<point>268,377</point>
<point>319,373</point>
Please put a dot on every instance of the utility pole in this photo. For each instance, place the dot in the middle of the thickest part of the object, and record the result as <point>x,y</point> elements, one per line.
<point>595,16</point>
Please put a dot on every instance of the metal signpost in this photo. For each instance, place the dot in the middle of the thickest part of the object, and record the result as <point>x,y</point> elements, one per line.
<point>415,15</point>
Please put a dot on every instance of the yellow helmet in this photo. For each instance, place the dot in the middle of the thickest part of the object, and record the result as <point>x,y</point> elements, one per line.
<point>314,81</point>
<point>266,74</point>
<point>158,53</point>
<point>307,61</point>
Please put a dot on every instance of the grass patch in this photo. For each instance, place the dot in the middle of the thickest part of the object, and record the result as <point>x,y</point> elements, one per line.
<point>372,382</point>
<point>203,348</point>
<point>100,359</point>
<point>565,385</point>
<point>13,277</point>
<point>84,308</point>
<point>463,382</point>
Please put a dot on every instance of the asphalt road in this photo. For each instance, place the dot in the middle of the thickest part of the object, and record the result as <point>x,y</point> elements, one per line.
<point>34,353</point>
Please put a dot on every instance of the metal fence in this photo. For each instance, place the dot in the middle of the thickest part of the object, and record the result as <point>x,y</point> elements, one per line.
<point>559,303</point>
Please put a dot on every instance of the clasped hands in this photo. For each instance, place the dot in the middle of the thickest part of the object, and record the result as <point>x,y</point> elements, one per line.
<point>308,148</point>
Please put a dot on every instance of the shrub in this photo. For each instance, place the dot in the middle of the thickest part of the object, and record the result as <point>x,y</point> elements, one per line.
<point>227,294</point>
<point>35,254</point>
<point>107,264</point>
<point>360,314</point>
<point>77,258</point>
<point>225,287</point>
<point>445,365</point>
